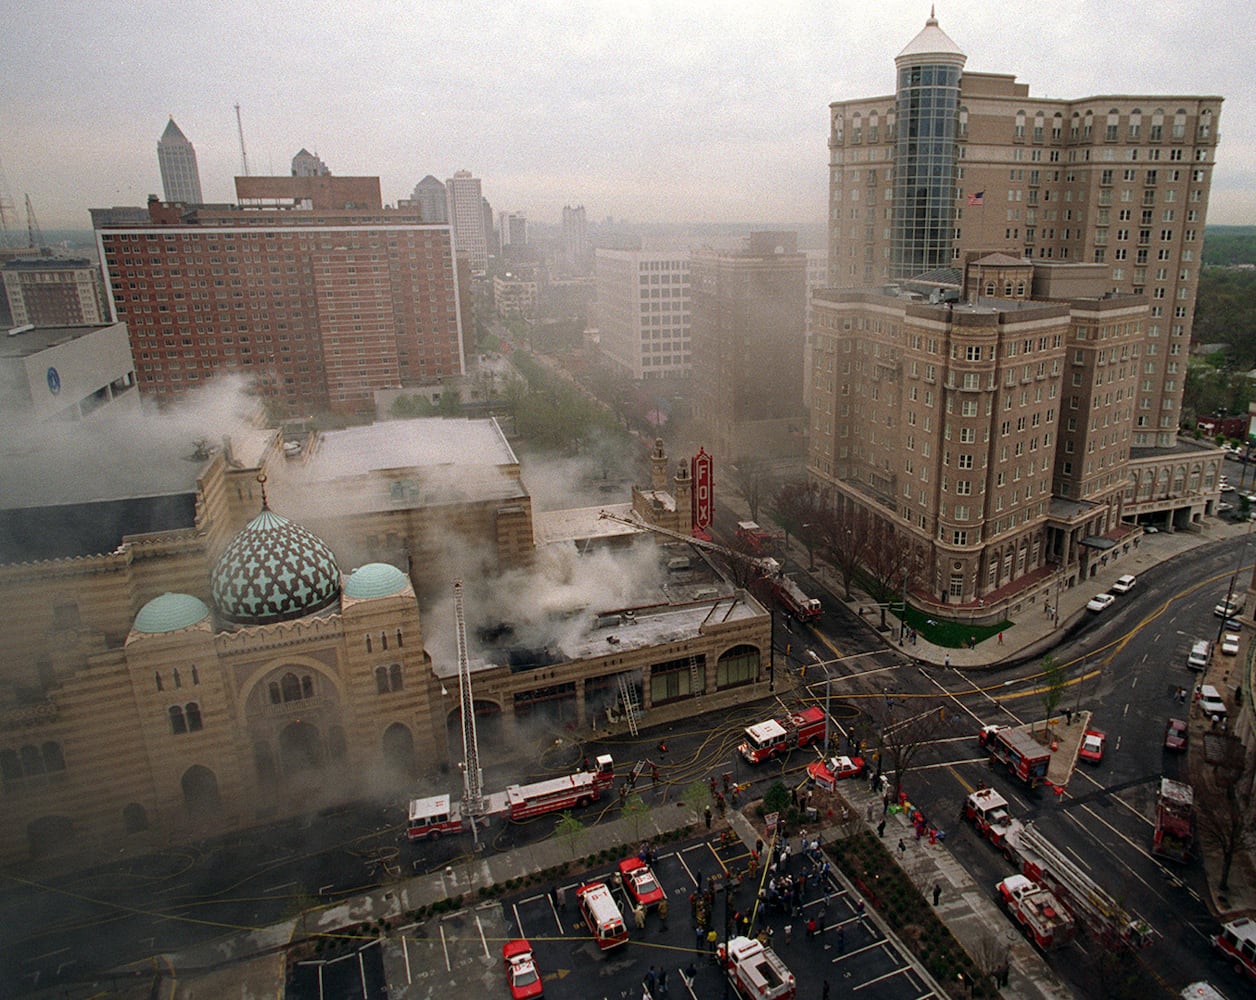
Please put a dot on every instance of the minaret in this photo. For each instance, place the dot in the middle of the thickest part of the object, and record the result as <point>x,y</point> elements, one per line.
<point>683,492</point>
<point>658,467</point>
<point>927,155</point>
<point>176,157</point>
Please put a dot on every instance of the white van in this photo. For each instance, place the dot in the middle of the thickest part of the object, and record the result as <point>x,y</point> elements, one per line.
<point>1231,606</point>
<point>1210,702</point>
<point>1197,659</point>
<point>598,908</point>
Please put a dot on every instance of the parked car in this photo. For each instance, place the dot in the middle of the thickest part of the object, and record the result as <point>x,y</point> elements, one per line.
<point>1231,606</point>
<point>1226,488</point>
<point>1124,584</point>
<point>1200,654</point>
<point>1092,746</point>
<point>1222,507</point>
<point>1233,625</point>
<point>521,973</point>
<point>1100,602</point>
<point>640,883</point>
<point>1230,643</point>
<point>827,773</point>
<point>1175,735</point>
<point>1211,702</point>
<point>1150,529</point>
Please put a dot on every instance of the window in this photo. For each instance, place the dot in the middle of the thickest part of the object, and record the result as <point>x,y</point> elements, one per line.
<point>388,679</point>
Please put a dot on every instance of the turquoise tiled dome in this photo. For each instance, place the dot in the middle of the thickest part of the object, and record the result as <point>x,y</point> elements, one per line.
<point>273,571</point>
<point>375,580</point>
<point>171,612</point>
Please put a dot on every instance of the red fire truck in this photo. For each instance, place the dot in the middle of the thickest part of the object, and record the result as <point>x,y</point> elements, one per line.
<point>791,596</point>
<point>1024,756</point>
<point>756,971</point>
<point>1175,820</point>
<point>1038,912</point>
<point>986,809</point>
<point>766,740</point>
<point>1237,941</point>
<point>437,816</point>
<point>553,794</point>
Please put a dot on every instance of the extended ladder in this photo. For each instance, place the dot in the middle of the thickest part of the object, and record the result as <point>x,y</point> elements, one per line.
<point>628,695</point>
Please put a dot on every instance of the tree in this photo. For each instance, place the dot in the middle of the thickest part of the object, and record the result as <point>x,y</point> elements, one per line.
<point>570,831</point>
<point>1223,801</point>
<point>697,797</point>
<point>404,407</point>
<point>891,560</point>
<point>751,479</point>
<point>1052,687</point>
<point>845,539</point>
<point>903,735</point>
<point>800,507</point>
<point>636,812</point>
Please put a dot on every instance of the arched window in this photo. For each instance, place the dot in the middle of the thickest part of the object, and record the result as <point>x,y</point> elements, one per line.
<point>178,724</point>
<point>1057,127</point>
<point>383,640</point>
<point>157,678</point>
<point>874,126</point>
<point>307,686</point>
<point>273,689</point>
<point>291,686</point>
<point>990,288</point>
<point>368,643</point>
<point>1205,123</point>
<point>394,677</point>
<point>1114,121</point>
<point>1039,119</point>
<point>10,766</point>
<point>1179,123</point>
<point>1075,128</point>
<point>195,679</point>
<point>1019,131</point>
<point>53,758</point>
<point>177,681</point>
<point>1135,128</point>
<point>381,680</point>
<point>398,638</point>
<point>193,711</point>
<point>739,665</point>
<point>1088,124</point>
<point>1157,125</point>
<point>856,128</point>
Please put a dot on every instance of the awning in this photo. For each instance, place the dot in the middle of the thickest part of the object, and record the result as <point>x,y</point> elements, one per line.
<point>1096,542</point>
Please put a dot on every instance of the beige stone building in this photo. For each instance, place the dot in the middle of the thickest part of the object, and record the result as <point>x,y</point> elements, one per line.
<point>954,161</point>
<point>185,656</point>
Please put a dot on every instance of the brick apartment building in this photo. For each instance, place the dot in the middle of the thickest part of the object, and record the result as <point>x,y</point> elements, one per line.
<point>310,287</point>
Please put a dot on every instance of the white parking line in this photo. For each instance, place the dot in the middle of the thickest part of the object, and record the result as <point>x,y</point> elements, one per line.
<point>445,947</point>
<point>483,941</point>
<point>405,951</point>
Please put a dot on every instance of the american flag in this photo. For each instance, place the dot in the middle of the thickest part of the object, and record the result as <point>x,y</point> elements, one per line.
<point>976,198</point>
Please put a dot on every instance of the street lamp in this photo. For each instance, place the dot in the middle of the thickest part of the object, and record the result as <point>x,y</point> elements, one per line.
<point>828,684</point>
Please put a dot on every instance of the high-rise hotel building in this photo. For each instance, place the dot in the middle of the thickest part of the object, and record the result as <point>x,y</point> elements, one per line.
<point>310,288</point>
<point>956,161</point>
<point>643,311</point>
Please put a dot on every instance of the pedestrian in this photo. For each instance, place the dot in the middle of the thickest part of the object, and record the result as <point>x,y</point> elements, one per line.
<point>662,910</point>
<point>1068,715</point>
<point>885,802</point>
<point>651,979</point>
<point>881,828</point>
<point>860,905</point>
<point>841,938</point>
<point>937,893</point>
<point>946,661</point>
<point>811,927</point>
<point>560,896</point>
<point>789,933</point>
<point>1000,638</point>
<point>663,987</point>
<point>699,936</point>
<point>690,973</point>
<point>758,846</point>
<point>902,848</point>
<point>638,916</point>
<point>711,938</point>
<point>706,815</point>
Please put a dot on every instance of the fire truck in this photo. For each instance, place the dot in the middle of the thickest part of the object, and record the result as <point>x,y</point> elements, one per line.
<point>755,970</point>
<point>1237,941</point>
<point>791,596</point>
<point>767,740</point>
<point>986,809</point>
<point>1175,820</point>
<point>1024,757</point>
<point>758,541</point>
<point>1092,908</point>
<point>553,794</point>
<point>1038,912</point>
<point>437,816</point>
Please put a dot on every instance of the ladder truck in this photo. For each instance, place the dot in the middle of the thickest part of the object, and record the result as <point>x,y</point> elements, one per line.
<point>986,809</point>
<point>1023,756</point>
<point>756,971</point>
<point>1175,820</point>
<point>765,740</point>
<point>1092,906</point>
<point>1038,912</point>
<point>768,572</point>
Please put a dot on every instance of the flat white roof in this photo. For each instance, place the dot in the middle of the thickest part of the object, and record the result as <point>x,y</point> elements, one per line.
<point>406,444</point>
<point>581,523</point>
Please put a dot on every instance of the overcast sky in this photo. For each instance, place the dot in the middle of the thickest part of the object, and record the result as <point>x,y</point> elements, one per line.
<point>666,111</point>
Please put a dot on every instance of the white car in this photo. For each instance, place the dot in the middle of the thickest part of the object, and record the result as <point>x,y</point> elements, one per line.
<point>1124,584</point>
<point>1222,507</point>
<point>1099,602</point>
<point>1230,643</point>
<point>1227,488</point>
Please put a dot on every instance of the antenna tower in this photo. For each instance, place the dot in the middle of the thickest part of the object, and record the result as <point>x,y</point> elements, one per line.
<point>244,156</point>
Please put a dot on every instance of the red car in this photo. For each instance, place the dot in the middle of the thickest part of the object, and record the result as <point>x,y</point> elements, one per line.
<point>1175,735</point>
<point>521,972</point>
<point>827,773</point>
<point>640,883</point>
<point>1092,746</point>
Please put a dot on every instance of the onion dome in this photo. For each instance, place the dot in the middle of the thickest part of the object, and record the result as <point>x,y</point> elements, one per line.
<point>375,580</point>
<point>171,612</point>
<point>273,571</point>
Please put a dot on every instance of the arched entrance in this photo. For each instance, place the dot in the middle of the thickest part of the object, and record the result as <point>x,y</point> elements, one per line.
<point>300,748</point>
<point>398,747</point>
<point>200,793</point>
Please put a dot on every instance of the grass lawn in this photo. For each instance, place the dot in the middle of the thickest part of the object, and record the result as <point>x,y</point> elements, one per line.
<point>954,635</point>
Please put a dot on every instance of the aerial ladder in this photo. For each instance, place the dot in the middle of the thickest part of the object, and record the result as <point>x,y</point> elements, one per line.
<point>764,564</point>
<point>472,776</point>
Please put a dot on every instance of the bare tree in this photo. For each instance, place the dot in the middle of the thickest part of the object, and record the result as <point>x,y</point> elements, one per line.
<point>751,479</point>
<point>891,559</point>
<point>801,507</point>
<point>845,540</point>
<point>904,728</point>
<point>1223,801</point>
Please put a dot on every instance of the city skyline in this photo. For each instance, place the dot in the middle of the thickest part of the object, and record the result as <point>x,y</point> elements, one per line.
<point>646,114</point>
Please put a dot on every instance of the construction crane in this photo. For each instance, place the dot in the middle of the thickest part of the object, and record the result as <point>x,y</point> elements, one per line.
<point>32,226</point>
<point>472,776</point>
<point>244,156</point>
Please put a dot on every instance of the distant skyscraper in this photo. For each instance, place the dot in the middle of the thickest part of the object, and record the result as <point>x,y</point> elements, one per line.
<point>466,215</point>
<point>643,311</point>
<point>513,229</point>
<point>491,239</point>
<point>307,164</point>
<point>429,195</point>
<point>575,240</point>
<point>177,158</point>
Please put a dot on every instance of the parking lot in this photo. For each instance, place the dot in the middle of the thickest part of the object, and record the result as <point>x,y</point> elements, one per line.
<point>460,954</point>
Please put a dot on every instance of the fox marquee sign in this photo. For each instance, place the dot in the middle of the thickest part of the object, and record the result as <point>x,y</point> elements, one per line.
<point>703,484</point>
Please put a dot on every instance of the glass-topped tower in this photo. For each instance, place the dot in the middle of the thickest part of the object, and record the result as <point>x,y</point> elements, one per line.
<point>927,106</point>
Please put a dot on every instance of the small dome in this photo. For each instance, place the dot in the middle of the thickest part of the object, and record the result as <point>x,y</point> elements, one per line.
<point>932,41</point>
<point>171,612</point>
<point>375,580</point>
<point>273,571</point>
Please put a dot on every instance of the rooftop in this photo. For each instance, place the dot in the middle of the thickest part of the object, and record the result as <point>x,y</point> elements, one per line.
<point>29,342</point>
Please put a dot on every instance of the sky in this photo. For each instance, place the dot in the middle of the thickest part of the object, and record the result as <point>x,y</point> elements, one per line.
<point>660,111</point>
